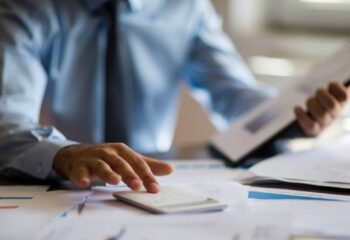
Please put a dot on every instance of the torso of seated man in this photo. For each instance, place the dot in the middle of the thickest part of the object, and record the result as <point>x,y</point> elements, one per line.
<point>156,46</point>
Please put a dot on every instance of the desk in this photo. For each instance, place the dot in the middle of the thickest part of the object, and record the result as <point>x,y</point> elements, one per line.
<point>320,217</point>
<point>204,152</point>
<point>305,218</point>
<point>189,152</point>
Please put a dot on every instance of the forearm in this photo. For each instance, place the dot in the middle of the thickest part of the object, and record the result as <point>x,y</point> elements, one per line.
<point>217,69</point>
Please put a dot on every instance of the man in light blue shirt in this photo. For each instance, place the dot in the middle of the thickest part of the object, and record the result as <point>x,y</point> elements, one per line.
<point>52,81</point>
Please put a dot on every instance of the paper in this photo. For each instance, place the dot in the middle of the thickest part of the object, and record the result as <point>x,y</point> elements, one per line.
<point>318,236</point>
<point>275,193</point>
<point>231,226</point>
<point>30,208</point>
<point>234,225</point>
<point>267,119</point>
<point>325,164</point>
<point>274,196</point>
<point>108,217</point>
<point>97,215</point>
<point>312,218</point>
<point>189,171</point>
<point>196,164</point>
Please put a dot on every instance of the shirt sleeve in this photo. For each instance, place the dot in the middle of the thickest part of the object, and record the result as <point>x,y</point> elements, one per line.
<point>26,148</point>
<point>217,74</point>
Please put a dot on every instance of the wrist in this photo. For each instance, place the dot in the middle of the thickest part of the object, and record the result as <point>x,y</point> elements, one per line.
<point>59,161</point>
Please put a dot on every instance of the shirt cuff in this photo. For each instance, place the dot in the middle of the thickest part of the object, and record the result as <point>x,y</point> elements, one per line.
<point>40,158</point>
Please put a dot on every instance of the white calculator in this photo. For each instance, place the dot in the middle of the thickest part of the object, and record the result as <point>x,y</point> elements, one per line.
<point>170,199</point>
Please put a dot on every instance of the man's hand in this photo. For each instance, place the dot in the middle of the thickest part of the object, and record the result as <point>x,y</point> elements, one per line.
<point>322,109</point>
<point>111,163</point>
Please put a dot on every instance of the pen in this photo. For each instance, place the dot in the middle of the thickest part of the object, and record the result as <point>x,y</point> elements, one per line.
<point>81,204</point>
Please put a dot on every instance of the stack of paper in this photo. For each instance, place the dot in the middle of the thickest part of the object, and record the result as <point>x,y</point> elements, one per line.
<point>108,222</point>
<point>323,165</point>
<point>25,210</point>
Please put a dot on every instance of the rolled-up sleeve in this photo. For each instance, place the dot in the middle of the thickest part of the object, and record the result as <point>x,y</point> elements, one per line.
<point>216,70</point>
<point>26,148</point>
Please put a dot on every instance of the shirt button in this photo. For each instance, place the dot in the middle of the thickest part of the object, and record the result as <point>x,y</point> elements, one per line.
<point>39,167</point>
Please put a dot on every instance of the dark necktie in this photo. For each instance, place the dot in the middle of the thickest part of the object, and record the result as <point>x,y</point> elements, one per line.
<point>116,88</point>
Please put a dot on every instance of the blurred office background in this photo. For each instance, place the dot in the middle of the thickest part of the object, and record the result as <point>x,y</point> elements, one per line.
<point>279,40</point>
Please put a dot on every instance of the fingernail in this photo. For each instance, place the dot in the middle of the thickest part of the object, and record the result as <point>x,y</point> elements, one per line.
<point>114,179</point>
<point>135,184</point>
<point>154,188</point>
<point>84,181</point>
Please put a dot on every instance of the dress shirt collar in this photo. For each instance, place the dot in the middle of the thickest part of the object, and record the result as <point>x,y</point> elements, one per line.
<point>94,5</point>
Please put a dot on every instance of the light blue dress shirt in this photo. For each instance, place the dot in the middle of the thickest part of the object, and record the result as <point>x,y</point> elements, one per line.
<point>52,71</point>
